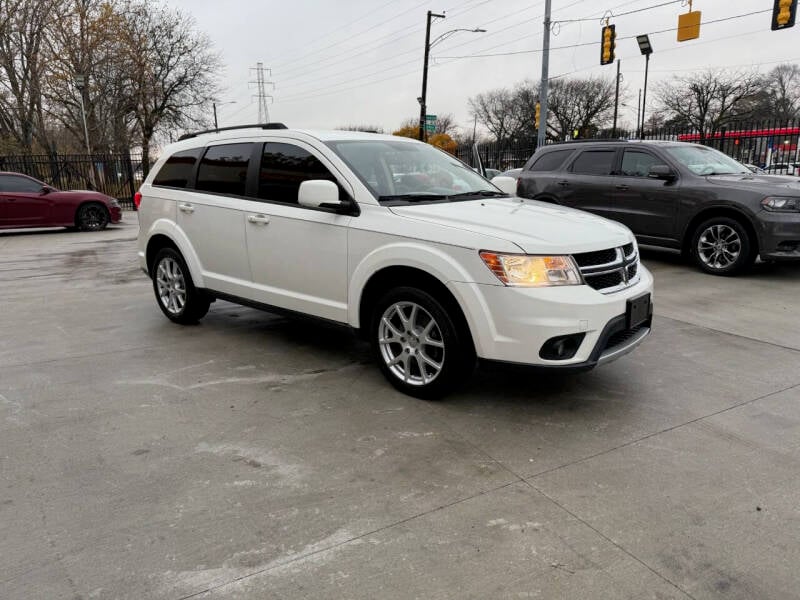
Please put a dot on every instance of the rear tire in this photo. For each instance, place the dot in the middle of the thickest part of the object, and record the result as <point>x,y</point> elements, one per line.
<point>92,217</point>
<point>722,246</point>
<point>420,348</point>
<point>177,297</point>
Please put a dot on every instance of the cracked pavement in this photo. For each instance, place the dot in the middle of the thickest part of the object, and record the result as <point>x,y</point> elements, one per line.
<point>254,456</point>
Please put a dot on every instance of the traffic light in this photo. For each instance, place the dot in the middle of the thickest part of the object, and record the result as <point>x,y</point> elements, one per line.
<point>783,14</point>
<point>537,114</point>
<point>608,44</point>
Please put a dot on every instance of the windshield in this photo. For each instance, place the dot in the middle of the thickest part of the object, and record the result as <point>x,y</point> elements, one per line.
<point>401,172</point>
<point>706,161</point>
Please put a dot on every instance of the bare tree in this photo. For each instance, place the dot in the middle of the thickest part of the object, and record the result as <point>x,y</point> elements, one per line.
<point>446,124</point>
<point>585,105</point>
<point>495,110</point>
<point>781,93</point>
<point>366,128</point>
<point>709,100</point>
<point>23,26</point>
<point>172,71</point>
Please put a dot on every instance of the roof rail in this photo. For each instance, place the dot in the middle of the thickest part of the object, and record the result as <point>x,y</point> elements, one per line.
<point>594,140</point>
<point>187,136</point>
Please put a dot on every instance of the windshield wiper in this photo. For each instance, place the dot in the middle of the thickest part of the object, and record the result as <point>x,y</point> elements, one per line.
<point>480,193</point>
<point>421,197</point>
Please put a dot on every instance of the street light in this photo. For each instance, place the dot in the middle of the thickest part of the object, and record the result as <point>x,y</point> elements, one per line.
<point>81,81</point>
<point>215,105</point>
<point>428,45</point>
<point>646,49</point>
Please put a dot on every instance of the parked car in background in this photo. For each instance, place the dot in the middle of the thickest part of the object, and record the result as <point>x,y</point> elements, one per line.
<point>755,169</point>
<point>514,173</point>
<point>676,195</point>
<point>431,263</point>
<point>492,173</point>
<point>28,202</point>
<point>786,168</point>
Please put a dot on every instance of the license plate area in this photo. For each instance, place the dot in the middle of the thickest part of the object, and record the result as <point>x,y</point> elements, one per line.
<point>637,311</point>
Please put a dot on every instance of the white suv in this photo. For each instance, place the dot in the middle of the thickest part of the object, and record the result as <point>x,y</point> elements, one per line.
<point>433,264</point>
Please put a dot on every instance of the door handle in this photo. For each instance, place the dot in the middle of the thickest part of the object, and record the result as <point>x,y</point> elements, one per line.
<point>258,219</point>
<point>623,188</point>
<point>187,208</point>
<point>563,183</point>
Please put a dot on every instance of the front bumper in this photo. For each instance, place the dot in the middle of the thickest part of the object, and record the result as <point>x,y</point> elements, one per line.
<point>780,235</point>
<point>115,213</point>
<point>512,324</point>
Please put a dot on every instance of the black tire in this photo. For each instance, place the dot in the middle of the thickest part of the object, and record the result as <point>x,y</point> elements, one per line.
<point>92,217</point>
<point>456,357</point>
<point>177,297</point>
<point>722,246</point>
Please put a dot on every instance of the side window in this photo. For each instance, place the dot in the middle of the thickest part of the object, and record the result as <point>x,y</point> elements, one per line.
<point>284,167</point>
<point>636,163</point>
<point>223,169</point>
<point>178,169</point>
<point>594,162</point>
<point>550,161</point>
<point>14,183</point>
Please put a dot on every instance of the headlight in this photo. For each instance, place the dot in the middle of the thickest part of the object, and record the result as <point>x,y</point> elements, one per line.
<point>113,202</point>
<point>532,271</point>
<point>781,204</point>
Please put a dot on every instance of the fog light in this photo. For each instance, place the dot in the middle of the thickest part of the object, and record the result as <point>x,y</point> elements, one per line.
<point>562,347</point>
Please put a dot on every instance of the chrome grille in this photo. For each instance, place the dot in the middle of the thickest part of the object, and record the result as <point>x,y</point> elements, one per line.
<point>610,270</point>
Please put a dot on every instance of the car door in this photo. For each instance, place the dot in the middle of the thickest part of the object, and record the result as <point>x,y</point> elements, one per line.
<point>22,202</point>
<point>648,207</point>
<point>211,214</point>
<point>298,255</point>
<point>588,183</point>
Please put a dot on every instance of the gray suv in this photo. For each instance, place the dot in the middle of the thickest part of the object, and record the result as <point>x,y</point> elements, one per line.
<point>674,195</point>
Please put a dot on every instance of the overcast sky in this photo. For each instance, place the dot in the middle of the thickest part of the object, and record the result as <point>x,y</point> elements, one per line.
<point>340,62</point>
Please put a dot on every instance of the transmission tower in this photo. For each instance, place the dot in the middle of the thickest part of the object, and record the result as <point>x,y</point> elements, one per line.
<point>261,84</point>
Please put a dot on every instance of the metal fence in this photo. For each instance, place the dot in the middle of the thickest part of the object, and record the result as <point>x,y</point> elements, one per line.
<point>116,175</point>
<point>771,145</point>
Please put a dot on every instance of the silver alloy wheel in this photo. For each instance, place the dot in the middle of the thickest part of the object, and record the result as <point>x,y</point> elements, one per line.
<point>171,286</point>
<point>411,343</point>
<point>719,246</point>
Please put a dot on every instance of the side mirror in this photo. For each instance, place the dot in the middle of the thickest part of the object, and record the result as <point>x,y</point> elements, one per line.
<point>46,190</point>
<point>319,193</point>
<point>661,172</point>
<point>507,185</point>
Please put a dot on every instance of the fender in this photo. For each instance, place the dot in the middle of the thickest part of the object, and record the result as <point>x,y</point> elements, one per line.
<point>433,261</point>
<point>168,228</point>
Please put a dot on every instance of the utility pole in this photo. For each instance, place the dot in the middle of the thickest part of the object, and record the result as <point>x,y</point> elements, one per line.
<point>616,101</point>
<point>644,96</point>
<point>216,124</point>
<point>423,108</point>
<point>261,94</point>
<point>544,86</point>
<point>639,116</point>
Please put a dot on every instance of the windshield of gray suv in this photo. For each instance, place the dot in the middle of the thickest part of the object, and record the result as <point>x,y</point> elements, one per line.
<point>706,161</point>
<point>402,172</point>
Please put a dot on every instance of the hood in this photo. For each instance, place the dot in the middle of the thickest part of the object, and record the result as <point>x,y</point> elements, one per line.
<point>768,184</point>
<point>83,194</point>
<point>536,227</point>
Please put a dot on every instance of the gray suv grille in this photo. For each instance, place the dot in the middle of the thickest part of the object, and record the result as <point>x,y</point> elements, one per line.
<point>610,270</point>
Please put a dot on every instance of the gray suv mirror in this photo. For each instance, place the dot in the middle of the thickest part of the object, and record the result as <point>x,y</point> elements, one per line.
<point>661,172</point>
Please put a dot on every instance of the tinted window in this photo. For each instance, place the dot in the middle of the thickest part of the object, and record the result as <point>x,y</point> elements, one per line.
<point>284,167</point>
<point>223,169</point>
<point>178,169</point>
<point>636,163</point>
<point>594,162</point>
<point>550,161</point>
<point>14,183</point>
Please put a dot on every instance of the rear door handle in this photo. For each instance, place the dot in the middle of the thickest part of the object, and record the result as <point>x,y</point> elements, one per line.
<point>623,188</point>
<point>187,208</point>
<point>563,183</point>
<point>258,219</point>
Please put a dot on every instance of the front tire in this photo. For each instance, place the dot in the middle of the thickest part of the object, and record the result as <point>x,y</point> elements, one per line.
<point>420,348</point>
<point>177,297</point>
<point>92,217</point>
<point>722,246</point>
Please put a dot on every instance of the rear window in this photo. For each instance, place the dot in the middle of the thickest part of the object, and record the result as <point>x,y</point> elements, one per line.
<point>550,161</point>
<point>223,169</point>
<point>594,162</point>
<point>178,169</point>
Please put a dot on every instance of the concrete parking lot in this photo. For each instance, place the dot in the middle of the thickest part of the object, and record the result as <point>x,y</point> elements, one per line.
<point>254,456</point>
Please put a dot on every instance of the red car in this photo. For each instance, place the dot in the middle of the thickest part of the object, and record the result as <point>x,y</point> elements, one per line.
<point>27,202</point>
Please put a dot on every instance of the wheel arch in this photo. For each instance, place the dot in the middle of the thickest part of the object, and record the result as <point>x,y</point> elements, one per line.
<point>164,234</point>
<point>719,211</point>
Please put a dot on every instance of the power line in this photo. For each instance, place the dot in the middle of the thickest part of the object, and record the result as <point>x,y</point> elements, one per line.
<point>613,16</point>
